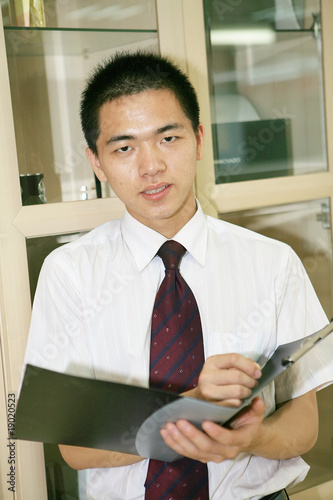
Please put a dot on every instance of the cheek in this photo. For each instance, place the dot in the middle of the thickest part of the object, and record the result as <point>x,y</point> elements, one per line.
<point>121,179</point>
<point>188,163</point>
<point>116,182</point>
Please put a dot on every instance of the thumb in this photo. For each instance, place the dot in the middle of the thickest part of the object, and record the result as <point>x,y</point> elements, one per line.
<point>252,414</point>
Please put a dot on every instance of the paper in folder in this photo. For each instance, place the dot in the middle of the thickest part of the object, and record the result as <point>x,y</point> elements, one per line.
<point>64,409</point>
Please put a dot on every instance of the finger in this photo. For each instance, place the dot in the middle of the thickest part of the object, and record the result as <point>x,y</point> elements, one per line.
<point>221,444</point>
<point>225,443</point>
<point>234,360</point>
<point>236,387</point>
<point>230,403</point>
<point>218,433</point>
<point>191,442</point>
<point>231,441</point>
<point>228,377</point>
<point>226,395</point>
<point>235,375</point>
<point>180,443</point>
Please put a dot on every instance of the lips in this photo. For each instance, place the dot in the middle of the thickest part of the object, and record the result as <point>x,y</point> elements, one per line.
<point>156,190</point>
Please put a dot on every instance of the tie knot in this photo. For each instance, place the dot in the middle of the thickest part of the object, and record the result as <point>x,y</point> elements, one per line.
<point>171,252</point>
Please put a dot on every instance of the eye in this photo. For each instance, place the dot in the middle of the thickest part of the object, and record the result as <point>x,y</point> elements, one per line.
<point>124,149</point>
<point>171,138</point>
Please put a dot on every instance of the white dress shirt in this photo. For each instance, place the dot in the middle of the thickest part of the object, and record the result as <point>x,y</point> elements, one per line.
<point>92,317</point>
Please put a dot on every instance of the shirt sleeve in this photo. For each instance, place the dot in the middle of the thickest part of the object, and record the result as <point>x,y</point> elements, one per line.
<point>57,337</point>
<point>300,314</point>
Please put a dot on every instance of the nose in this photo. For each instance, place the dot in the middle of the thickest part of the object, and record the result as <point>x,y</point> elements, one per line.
<point>150,160</point>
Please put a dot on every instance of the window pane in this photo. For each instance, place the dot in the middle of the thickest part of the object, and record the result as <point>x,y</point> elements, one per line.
<point>48,66</point>
<point>266,84</point>
<point>101,14</point>
<point>306,227</point>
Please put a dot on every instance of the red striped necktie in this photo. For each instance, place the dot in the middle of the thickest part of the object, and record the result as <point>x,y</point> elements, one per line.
<point>176,359</point>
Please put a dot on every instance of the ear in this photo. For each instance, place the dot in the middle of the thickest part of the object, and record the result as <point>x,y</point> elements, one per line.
<point>94,162</point>
<point>200,136</point>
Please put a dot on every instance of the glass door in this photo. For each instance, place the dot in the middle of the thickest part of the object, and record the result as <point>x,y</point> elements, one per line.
<point>50,54</point>
<point>266,89</point>
<point>264,78</point>
<point>306,227</point>
<point>48,193</point>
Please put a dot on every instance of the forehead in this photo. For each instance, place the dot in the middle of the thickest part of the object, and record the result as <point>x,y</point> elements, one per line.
<point>149,105</point>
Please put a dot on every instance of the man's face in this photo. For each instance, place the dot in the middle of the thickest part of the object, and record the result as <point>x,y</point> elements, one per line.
<point>147,151</point>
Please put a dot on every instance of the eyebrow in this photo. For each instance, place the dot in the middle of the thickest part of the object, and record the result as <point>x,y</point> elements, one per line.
<point>166,128</point>
<point>171,126</point>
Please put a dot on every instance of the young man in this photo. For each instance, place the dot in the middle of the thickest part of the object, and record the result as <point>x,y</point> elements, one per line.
<point>140,117</point>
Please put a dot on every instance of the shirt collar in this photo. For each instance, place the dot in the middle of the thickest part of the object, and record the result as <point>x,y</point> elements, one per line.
<point>144,242</point>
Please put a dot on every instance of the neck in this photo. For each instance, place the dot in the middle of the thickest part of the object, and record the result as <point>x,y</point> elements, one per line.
<point>168,224</point>
<point>172,225</point>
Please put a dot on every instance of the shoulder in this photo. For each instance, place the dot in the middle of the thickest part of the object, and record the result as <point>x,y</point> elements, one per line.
<point>226,230</point>
<point>247,244</point>
<point>103,240</point>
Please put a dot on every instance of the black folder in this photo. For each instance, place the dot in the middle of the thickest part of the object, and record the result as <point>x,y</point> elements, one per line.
<point>64,409</point>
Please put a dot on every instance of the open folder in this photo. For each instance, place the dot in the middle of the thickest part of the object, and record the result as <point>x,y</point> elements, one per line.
<point>63,409</point>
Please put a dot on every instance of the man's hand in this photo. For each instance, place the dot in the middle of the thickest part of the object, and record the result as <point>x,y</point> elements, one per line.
<point>226,379</point>
<point>215,443</point>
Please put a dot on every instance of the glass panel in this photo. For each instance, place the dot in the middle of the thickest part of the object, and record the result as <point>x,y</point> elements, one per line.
<point>61,480</point>
<point>267,99</point>
<point>306,227</point>
<point>47,69</point>
<point>100,14</point>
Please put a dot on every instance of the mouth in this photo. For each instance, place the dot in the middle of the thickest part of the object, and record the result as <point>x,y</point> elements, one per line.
<point>157,190</point>
<point>156,193</point>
